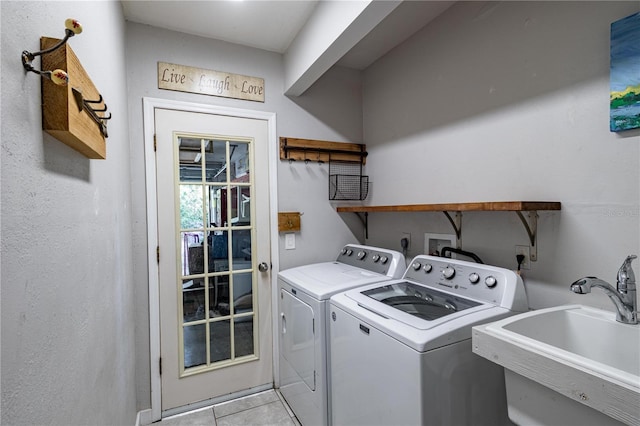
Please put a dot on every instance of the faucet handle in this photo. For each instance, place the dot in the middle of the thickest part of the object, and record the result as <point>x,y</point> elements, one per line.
<point>626,277</point>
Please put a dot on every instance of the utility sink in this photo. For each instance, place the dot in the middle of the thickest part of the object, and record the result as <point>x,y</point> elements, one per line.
<point>577,351</point>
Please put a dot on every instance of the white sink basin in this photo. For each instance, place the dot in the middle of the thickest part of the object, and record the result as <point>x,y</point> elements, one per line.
<point>582,335</point>
<point>578,351</point>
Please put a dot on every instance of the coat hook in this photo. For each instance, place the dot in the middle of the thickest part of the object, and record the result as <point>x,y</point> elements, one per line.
<point>86,105</point>
<point>59,77</point>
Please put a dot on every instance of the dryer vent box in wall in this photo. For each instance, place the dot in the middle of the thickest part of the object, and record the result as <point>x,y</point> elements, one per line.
<point>434,243</point>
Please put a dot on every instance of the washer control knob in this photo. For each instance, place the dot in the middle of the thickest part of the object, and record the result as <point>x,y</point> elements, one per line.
<point>448,272</point>
<point>427,267</point>
<point>362,255</point>
<point>490,281</point>
<point>416,266</point>
<point>384,260</point>
<point>376,258</point>
<point>474,278</point>
<point>349,252</point>
<point>343,251</point>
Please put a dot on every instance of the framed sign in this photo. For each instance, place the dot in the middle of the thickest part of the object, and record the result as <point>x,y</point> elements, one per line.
<point>182,78</point>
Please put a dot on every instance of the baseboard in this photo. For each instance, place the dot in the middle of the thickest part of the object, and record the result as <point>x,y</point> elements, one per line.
<point>144,417</point>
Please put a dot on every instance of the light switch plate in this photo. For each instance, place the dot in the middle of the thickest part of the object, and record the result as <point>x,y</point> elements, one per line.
<point>289,241</point>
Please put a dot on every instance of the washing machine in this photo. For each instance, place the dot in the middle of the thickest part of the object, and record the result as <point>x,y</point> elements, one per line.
<point>304,294</point>
<point>400,350</point>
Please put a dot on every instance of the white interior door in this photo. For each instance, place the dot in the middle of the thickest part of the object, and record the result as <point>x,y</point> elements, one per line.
<point>214,252</point>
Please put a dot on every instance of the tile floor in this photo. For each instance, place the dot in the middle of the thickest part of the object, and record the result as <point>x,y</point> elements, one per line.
<point>264,408</point>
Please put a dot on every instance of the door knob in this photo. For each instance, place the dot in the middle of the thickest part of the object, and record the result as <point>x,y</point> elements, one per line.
<point>263,267</point>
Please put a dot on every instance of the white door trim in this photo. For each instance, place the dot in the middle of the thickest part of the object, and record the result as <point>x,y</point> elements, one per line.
<point>149,105</point>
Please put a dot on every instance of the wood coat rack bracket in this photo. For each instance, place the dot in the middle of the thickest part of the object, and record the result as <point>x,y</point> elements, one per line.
<point>73,111</point>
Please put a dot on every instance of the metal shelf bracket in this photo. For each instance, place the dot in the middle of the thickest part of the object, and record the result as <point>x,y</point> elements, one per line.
<point>531,227</point>
<point>457,226</point>
<point>364,218</point>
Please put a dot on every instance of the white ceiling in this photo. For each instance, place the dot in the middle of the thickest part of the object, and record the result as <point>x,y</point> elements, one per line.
<point>273,24</point>
<point>267,25</point>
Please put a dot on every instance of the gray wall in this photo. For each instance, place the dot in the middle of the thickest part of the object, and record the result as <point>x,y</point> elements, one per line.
<point>490,102</point>
<point>329,110</point>
<point>67,287</point>
<point>508,101</point>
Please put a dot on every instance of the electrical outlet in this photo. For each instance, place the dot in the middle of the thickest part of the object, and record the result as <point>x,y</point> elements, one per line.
<point>526,252</point>
<point>408,237</point>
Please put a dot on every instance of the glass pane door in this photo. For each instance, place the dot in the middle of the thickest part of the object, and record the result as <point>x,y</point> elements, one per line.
<point>216,273</point>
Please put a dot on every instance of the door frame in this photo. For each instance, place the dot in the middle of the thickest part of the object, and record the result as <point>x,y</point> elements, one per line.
<point>149,106</point>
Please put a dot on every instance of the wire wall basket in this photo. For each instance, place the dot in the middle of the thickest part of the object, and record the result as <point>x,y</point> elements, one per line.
<point>346,181</point>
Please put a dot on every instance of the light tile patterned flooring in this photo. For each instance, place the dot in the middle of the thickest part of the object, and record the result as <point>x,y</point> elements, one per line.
<point>264,408</point>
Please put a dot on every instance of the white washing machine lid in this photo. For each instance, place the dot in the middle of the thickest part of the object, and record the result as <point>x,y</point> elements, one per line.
<point>417,333</point>
<point>323,280</point>
<point>440,308</point>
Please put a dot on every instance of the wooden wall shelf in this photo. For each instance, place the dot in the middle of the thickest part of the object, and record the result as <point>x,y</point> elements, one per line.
<point>531,225</point>
<point>62,116</point>
<point>464,207</point>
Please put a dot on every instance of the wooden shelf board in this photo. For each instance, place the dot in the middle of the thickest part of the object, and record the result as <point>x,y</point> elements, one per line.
<point>479,206</point>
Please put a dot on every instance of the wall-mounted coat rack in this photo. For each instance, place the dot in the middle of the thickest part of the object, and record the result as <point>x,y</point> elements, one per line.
<point>73,110</point>
<point>308,150</point>
<point>346,161</point>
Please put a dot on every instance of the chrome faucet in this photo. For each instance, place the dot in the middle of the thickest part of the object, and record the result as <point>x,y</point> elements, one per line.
<point>624,297</point>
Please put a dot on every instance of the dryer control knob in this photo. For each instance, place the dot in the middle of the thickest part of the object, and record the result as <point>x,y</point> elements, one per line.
<point>448,272</point>
<point>490,281</point>
<point>384,260</point>
<point>349,252</point>
<point>375,258</point>
<point>343,251</point>
<point>416,266</point>
<point>362,255</point>
<point>427,267</point>
<point>474,278</point>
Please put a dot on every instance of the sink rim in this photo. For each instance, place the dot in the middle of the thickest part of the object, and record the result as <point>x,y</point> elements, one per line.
<point>593,366</point>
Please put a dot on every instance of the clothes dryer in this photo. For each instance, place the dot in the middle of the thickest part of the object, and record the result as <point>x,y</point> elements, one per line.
<point>304,294</point>
<point>400,350</point>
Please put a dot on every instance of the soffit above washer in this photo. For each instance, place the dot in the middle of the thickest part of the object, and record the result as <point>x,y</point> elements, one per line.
<point>399,25</point>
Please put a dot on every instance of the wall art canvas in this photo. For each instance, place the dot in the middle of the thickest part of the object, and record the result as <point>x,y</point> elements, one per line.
<point>625,74</point>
